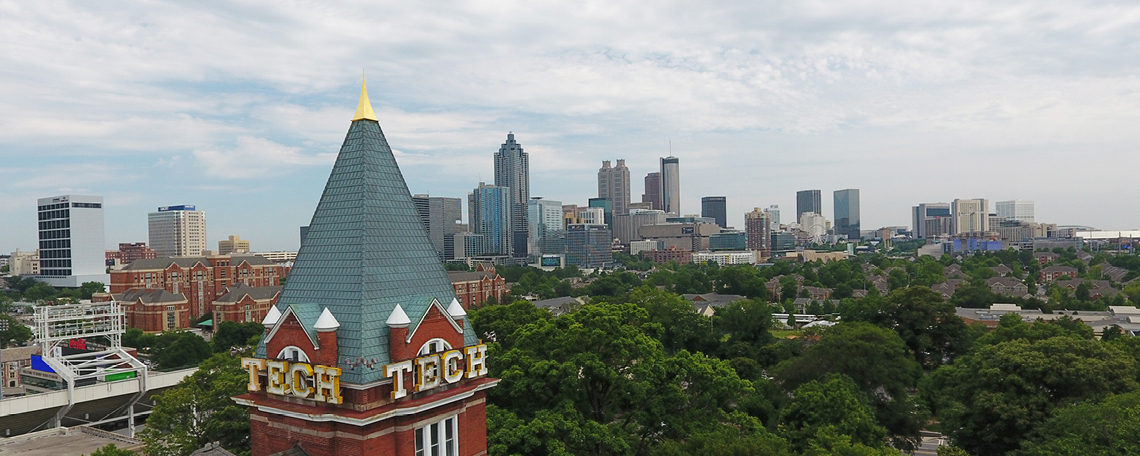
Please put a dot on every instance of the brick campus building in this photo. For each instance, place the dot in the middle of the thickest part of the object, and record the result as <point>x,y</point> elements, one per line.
<point>367,351</point>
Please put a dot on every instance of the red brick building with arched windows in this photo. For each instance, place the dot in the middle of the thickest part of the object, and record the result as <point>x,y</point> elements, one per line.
<point>367,351</point>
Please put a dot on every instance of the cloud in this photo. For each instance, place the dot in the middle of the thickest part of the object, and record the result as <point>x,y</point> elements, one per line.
<point>256,157</point>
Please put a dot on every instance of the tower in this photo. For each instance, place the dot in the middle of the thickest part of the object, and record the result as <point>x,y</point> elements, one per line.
<point>512,170</point>
<point>367,351</point>
<point>652,193</point>
<point>177,231</point>
<point>490,215</point>
<point>715,208</point>
<point>613,184</point>
<point>808,201</point>
<point>847,213</point>
<point>671,185</point>
<point>758,229</point>
<point>969,216</point>
<point>71,247</point>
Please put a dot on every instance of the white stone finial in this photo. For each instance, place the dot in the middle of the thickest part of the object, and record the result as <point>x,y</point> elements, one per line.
<point>271,317</point>
<point>455,310</point>
<point>398,319</point>
<point>326,322</point>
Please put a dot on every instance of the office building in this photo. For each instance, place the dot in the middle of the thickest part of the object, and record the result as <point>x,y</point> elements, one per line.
<point>728,240</point>
<point>757,228</point>
<point>71,240</point>
<point>693,237</point>
<point>652,193</point>
<point>468,245</point>
<point>783,242</point>
<point>637,219</point>
<point>637,247</point>
<point>613,184</point>
<point>607,209</point>
<point>1019,210</point>
<point>715,207</point>
<point>969,216</point>
<point>24,263</point>
<point>588,245</point>
<point>592,215</point>
<point>814,226</point>
<point>233,244</point>
<point>304,232</point>
<point>847,213</point>
<point>512,171</point>
<point>931,220</point>
<point>441,216</point>
<point>808,201</point>
<point>773,212</point>
<point>725,258</point>
<point>489,212</point>
<point>177,231</point>
<point>547,233</point>
<point>129,252</point>
<point>671,185</point>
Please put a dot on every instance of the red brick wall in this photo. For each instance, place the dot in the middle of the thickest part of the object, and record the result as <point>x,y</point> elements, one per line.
<point>290,333</point>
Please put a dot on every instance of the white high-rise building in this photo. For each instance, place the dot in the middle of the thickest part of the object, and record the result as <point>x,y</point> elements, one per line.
<point>71,240</point>
<point>177,231</point>
<point>671,185</point>
<point>969,216</point>
<point>1019,210</point>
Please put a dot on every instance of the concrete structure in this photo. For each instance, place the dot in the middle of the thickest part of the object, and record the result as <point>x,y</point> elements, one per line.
<point>969,216</point>
<point>588,245</point>
<point>279,256</point>
<point>715,207</point>
<point>808,201</point>
<point>441,216</point>
<point>814,255</point>
<point>1019,210</point>
<point>773,212</point>
<point>512,170</point>
<point>693,237</point>
<point>177,231</point>
<point>129,252</point>
<point>63,441</point>
<point>922,215</point>
<point>671,185</point>
<point>591,216</point>
<point>813,226</point>
<point>24,263</point>
<point>847,213</point>
<point>379,354</point>
<point>1126,317</point>
<point>473,288</point>
<point>547,234</point>
<point>725,258</point>
<point>200,279</point>
<point>758,227</point>
<point>490,216</point>
<point>636,247</point>
<point>469,245</point>
<point>71,240</point>
<point>667,255</point>
<point>613,184</point>
<point>652,193</point>
<point>639,218</point>
<point>233,244</point>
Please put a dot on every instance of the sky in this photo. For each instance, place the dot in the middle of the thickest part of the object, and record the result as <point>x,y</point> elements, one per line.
<point>240,107</point>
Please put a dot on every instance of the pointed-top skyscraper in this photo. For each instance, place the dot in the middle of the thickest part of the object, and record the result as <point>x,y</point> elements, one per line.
<point>367,317</point>
<point>512,170</point>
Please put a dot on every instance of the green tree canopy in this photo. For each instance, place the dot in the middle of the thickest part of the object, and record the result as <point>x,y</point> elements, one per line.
<point>929,326</point>
<point>834,404</point>
<point>229,334</point>
<point>16,334</point>
<point>199,410</point>
<point>1093,429</point>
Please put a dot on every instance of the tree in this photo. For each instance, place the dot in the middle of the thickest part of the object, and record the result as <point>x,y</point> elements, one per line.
<point>990,399</point>
<point>180,349</point>
<point>229,334</point>
<point>1106,428</point>
<point>835,404</point>
<point>199,410</point>
<point>89,288</point>
<point>683,329</point>
<point>877,360</point>
<point>112,450</point>
<point>929,326</point>
<point>498,323</point>
<point>16,333</point>
<point>40,292</point>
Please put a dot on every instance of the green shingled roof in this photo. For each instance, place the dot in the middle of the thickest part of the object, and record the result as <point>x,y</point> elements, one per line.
<point>366,251</point>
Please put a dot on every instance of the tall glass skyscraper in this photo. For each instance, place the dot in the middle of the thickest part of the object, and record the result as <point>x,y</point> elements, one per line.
<point>512,171</point>
<point>489,213</point>
<point>847,213</point>
<point>671,185</point>
<point>715,208</point>
<point>547,234</point>
<point>808,201</point>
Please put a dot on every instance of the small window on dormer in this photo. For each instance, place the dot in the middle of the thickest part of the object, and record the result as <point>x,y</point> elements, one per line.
<point>292,353</point>
<point>436,345</point>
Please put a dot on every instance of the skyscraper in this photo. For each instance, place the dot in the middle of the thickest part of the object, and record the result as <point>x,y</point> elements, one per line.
<point>607,210</point>
<point>613,184</point>
<point>758,229</point>
<point>652,193</point>
<point>588,245</point>
<point>847,213</point>
<point>715,208</point>
<point>773,212</point>
<point>671,185</point>
<point>808,201</point>
<point>489,213</point>
<point>969,216</point>
<point>440,216</point>
<point>71,240</point>
<point>512,170</point>
<point>547,234</point>
<point>931,220</point>
<point>177,231</point>
<point>1019,210</point>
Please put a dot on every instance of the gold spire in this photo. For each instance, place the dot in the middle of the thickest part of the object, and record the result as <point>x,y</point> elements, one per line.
<point>364,109</point>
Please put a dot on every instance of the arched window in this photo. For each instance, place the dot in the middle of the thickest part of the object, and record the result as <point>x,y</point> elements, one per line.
<point>294,354</point>
<point>436,345</point>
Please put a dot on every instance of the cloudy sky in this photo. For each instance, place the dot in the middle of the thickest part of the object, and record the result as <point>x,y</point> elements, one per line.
<point>239,108</point>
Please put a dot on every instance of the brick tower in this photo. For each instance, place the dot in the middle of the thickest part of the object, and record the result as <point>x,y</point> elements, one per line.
<point>367,351</point>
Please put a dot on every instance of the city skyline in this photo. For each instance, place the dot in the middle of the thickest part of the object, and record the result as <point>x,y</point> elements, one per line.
<point>830,99</point>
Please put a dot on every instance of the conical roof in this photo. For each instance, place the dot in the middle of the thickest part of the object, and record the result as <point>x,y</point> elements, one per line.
<point>366,251</point>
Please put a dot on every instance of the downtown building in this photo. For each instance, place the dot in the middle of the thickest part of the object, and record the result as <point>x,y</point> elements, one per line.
<point>368,351</point>
<point>758,231</point>
<point>808,201</point>
<point>652,194</point>
<point>177,231</point>
<point>969,216</point>
<point>847,213</point>
<point>489,212</point>
<point>931,220</point>
<point>588,245</point>
<point>613,184</point>
<point>547,234</point>
<point>441,217</point>
<point>715,207</point>
<point>71,248</point>
<point>671,185</point>
<point>512,171</point>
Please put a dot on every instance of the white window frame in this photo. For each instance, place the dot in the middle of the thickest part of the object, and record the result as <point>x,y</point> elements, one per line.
<point>441,445</point>
<point>435,345</point>
<point>288,352</point>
